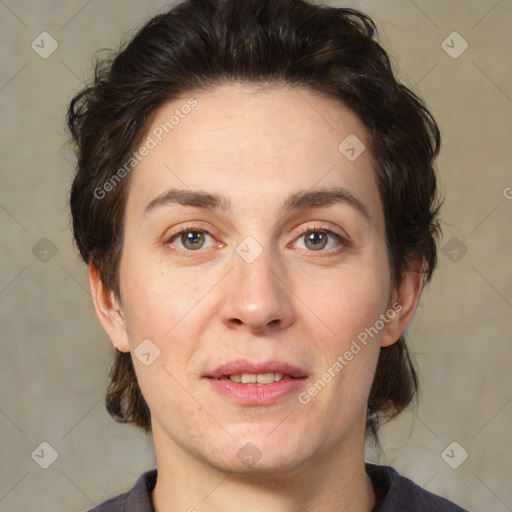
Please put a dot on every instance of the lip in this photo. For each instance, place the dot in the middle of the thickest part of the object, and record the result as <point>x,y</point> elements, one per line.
<point>244,366</point>
<point>256,394</point>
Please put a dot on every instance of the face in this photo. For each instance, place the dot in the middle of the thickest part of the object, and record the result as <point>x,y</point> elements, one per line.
<point>255,250</point>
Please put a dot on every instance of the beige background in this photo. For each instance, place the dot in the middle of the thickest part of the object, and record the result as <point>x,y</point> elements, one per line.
<point>54,356</point>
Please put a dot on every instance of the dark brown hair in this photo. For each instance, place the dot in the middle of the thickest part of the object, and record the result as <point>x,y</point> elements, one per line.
<point>200,44</point>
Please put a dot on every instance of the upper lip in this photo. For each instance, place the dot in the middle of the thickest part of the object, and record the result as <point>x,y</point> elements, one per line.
<point>241,366</point>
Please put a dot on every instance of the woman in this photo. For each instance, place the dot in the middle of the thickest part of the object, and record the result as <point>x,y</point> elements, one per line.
<point>255,199</point>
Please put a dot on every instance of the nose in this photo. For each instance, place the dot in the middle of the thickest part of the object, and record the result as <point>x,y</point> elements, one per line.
<point>256,295</point>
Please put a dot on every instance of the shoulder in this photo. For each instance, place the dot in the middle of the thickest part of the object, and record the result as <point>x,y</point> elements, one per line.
<point>137,499</point>
<point>401,494</point>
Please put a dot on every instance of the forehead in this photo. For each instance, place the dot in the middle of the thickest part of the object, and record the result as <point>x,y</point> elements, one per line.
<point>255,143</point>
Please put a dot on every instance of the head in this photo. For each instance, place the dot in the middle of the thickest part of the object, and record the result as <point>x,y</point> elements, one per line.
<point>257,105</point>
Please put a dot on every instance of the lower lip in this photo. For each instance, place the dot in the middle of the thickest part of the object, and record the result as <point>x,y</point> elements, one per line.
<point>257,394</point>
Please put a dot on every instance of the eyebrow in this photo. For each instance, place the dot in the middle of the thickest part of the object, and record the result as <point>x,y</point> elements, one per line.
<point>302,200</point>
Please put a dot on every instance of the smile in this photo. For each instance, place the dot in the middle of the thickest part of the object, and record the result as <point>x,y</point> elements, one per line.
<point>260,378</point>
<point>251,383</point>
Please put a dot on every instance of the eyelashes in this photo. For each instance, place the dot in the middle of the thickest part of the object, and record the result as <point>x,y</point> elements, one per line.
<point>312,238</point>
<point>317,238</point>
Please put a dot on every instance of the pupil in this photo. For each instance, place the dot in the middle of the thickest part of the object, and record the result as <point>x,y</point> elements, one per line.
<point>317,239</point>
<point>193,239</point>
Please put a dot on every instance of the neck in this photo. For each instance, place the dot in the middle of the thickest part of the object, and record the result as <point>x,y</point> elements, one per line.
<point>333,482</point>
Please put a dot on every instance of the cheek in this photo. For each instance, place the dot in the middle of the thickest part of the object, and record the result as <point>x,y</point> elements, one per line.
<point>353,301</point>
<point>352,311</point>
<point>156,299</point>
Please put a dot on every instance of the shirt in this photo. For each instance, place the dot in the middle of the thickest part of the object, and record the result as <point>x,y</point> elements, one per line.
<point>394,493</point>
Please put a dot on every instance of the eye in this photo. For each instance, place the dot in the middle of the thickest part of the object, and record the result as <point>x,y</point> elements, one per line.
<point>315,239</point>
<point>191,239</point>
<point>319,240</point>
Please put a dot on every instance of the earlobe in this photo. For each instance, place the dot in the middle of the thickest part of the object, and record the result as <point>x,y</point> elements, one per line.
<point>109,310</point>
<point>404,304</point>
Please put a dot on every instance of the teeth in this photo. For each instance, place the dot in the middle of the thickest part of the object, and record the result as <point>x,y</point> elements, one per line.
<point>247,378</point>
<point>260,378</point>
<point>265,378</point>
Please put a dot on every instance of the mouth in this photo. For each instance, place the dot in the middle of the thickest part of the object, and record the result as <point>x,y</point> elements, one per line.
<point>250,383</point>
<point>260,378</point>
<point>247,372</point>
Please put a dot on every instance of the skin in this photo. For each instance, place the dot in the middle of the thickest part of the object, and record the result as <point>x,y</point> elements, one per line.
<point>296,302</point>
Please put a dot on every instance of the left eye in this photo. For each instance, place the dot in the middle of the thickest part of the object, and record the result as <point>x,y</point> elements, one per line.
<point>317,240</point>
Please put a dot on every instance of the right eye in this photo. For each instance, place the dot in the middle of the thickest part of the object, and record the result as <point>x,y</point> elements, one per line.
<point>190,239</point>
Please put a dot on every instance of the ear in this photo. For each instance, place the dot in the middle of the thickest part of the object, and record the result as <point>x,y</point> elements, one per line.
<point>404,301</point>
<point>109,310</point>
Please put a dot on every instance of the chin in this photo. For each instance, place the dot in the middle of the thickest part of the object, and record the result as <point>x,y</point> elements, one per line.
<point>248,461</point>
<point>261,451</point>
